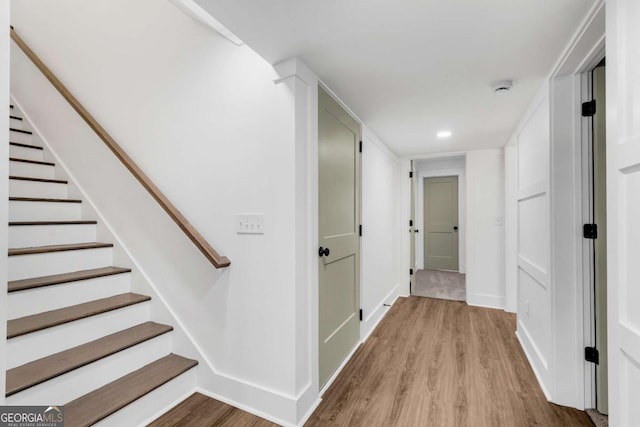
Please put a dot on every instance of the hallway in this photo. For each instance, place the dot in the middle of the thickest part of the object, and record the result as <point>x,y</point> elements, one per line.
<point>430,362</point>
<point>438,363</point>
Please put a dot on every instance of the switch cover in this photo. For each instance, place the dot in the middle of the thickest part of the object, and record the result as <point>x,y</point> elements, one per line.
<point>250,223</point>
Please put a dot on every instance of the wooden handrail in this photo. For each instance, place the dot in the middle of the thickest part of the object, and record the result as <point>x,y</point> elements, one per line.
<point>216,259</point>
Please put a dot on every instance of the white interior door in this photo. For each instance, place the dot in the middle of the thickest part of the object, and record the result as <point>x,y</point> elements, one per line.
<point>623,209</point>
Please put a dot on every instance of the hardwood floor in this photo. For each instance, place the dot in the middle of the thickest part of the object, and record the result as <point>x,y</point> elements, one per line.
<point>202,411</point>
<point>441,363</point>
<point>429,363</point>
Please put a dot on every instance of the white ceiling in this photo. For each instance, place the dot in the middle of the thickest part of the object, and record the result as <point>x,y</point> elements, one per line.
<point>409,68</point>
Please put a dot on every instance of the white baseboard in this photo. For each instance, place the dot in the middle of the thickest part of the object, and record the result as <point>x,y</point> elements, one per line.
<point>536,360</point>
<point>485,300</point>
<point>245,408</point>
<point>372,320</point>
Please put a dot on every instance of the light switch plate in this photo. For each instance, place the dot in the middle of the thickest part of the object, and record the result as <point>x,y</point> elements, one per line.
<point>250,223</point>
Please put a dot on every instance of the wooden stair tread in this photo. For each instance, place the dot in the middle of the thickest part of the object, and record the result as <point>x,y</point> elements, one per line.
<point>48,319</point>
<point>35,162</point>
<point>56,279</point>
<point>15,117</point>
<point>22,144</point>
<point>41,370</point>
<point>43,199</point>
<point>69,222</point>
<point>28,132</point>
<point>27,178</point>
<point>58,248</point>
<point>100,403</point>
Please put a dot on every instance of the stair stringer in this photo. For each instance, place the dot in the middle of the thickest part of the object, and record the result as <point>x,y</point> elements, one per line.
<point>254,398</point>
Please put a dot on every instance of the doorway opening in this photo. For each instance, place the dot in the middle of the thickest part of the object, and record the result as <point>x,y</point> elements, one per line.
<point>595,229</point>
<point>437,234</point>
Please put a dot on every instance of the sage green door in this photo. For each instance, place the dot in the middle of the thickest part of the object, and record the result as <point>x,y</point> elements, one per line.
<point>339,220</point>
<point>441,223</point>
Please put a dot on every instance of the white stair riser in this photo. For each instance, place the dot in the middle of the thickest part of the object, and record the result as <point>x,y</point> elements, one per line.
<point>150,406</point>
<point>44,211</point>
<point>25,153</point>
<point>29,347</point>
<point>48,190</point>
<point>20,137</point>
<point>46,298</point>
<point>36,265</point>
<point>62,389</point>
<point>31,170</point>
<point>42,235</point>
<point>17,124</point>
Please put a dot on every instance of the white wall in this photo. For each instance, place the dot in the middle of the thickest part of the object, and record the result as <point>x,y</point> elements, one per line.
<point>4,186</point>
<point>534,296</point>
<point>440,166</point>
<point>485,228</point>
<point>380,215</point>
<point>205,121</point>
<point>511,226</point>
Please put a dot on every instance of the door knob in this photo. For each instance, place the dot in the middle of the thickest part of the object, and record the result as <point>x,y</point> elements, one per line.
<point>323,251</point>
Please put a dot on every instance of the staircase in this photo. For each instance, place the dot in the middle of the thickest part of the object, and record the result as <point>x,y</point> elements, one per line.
<point>76,335</point>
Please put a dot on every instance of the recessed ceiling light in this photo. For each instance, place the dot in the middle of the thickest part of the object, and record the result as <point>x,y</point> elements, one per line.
<point>444,134</point>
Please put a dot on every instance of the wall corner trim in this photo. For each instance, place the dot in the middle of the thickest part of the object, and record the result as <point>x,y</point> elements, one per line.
<point>294,68</point>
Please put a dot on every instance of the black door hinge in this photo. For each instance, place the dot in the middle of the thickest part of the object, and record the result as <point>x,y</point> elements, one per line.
<point>410,174</point>
<point>361,315</point>
<point>411,272</point>
<point>589,108</point>
<point>410,223</point>
<point>361,146</point>
<point>591,355</point>
<point>360,230</point>
<point>590,231</point>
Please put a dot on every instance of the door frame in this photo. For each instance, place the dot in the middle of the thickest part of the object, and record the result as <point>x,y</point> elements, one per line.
<point>419,214</point>
<point>572,381</point>
<point>588,215</point>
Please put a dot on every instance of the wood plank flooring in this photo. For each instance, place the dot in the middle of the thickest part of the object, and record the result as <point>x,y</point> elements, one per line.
<point>441,363</point>
<point>201,411</point>
<point>429,363</point>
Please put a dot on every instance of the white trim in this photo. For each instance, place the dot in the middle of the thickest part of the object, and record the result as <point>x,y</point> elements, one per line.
<point>569,377</point>
<point>161,412</point>
<point>5,47</point>
<point>371,322</point>
<point>527,346</point>
<point>536,189</point>
<point>584,32</point>
<point>244,407</point>
<point>486,300</point>
<point>434,156</point>
<point>191,8</point>
<point>536,272</point>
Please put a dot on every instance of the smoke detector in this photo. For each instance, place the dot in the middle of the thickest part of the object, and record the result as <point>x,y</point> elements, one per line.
<point>502,86</point>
